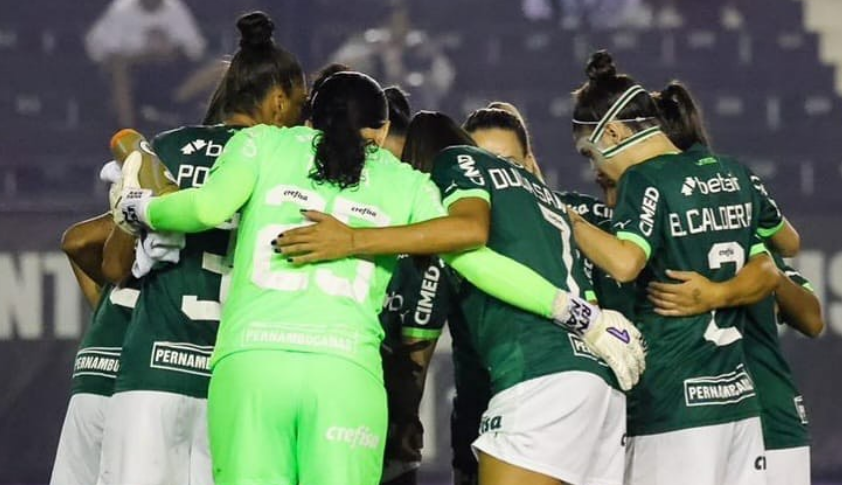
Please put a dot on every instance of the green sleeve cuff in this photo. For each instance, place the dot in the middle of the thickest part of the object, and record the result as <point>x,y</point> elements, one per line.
<point>465,194</point>
<point>758,248</point>
<point>590,295</point>
<point>767,233</point>
<point>809,287</point>
<point>637,241</point>
<point>421,333</point>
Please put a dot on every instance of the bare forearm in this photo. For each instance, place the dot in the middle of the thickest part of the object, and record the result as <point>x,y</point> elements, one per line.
<point>622,260</point>
<point>787,241</point>
<point>800,307</point>
<point>90,289</point>
<point>118,256</point>
<point>752,283</point>
<point>437,236</point>
<point>83,243</point>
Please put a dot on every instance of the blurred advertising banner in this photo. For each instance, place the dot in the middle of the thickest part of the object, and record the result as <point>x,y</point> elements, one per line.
<point>42,316</point>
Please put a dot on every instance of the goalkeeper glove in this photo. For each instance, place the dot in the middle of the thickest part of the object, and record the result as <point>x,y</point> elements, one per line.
<point>610,336</point>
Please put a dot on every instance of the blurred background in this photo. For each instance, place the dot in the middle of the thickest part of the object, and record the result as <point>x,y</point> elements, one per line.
<point>75,71</point>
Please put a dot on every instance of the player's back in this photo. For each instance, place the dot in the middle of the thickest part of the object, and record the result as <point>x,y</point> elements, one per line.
<point>169,343</point>
<point>328,307</point>
<point>690,212</point>
<point>529,224</point>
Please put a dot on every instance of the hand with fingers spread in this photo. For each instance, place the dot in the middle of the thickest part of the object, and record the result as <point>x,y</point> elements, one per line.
<point>693,294</point>
<point>326,240</point>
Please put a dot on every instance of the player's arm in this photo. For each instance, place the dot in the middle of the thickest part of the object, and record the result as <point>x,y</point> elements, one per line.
<point>118,256</point>
<point>799,306</point>
<point>82,243</point>
<point>785,240</point>
<point>773,227</point>
<point>228,187</point>
<point>693,294</point>
<point>622,259</point>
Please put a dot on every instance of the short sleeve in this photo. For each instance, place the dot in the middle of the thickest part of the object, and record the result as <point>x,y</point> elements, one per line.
<point>639,215</point>
<point>757,246</point>
<point>770,219</point>
<point>793,274</point>
<point>459,176</point>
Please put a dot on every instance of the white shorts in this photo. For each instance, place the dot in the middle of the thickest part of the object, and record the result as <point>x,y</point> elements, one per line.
<point>155,438</point>
<point>80,444</point>
<point>730,453</point>
<point>790,466</point>
<point>568,426</point>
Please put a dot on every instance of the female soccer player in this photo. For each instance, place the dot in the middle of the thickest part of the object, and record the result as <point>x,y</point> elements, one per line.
<point>783,415</point>
<point>156,430</point>
<point>529,362</point>
<point>694,417</point>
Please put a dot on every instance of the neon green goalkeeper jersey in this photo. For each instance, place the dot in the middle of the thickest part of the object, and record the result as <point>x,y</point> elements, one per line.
<point>328,308</point>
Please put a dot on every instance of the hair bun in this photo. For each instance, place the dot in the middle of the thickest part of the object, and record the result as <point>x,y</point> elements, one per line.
<point>255,30</point>
<point>601,67</point>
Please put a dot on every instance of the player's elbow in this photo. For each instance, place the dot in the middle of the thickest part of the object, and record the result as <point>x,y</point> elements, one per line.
<point>626,267</point>
<point>74,242</point>
<point>624,273</point>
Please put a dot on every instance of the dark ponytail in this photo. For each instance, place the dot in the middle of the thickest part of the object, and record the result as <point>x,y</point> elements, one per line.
<point>343,105</point>
<point>257,66</point>
<point>603,88</point>
<point>681,118</point>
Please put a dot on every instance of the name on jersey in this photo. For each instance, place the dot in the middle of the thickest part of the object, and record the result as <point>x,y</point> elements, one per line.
<point>97,361</point>
<point>711,219</point>
<point>506,178</point>
<point>426,298</point>
<point>600,210</point>
<point>191,175</point>
<point>718,390</point>
<point>181,357</point>
<point>714,185</point>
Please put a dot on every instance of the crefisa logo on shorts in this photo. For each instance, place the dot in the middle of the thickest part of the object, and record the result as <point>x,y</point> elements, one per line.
<point>360,436</point>
<point>490,423</point>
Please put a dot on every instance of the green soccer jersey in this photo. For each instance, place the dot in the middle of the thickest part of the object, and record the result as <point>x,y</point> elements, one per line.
<point>531,226</point>
<point>419,298</point>
<point>610,294</point>
<point>98,359</point>
<point>692,212</point>
<point>327,308</point>
<point>169,343</point>
<point>782,413</point>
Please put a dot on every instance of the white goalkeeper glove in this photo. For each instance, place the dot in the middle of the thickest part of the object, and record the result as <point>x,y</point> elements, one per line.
<point>610,335</point>
<point>130,212</point>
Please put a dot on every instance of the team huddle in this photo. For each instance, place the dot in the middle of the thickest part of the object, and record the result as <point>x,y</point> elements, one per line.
<point>269,287</point>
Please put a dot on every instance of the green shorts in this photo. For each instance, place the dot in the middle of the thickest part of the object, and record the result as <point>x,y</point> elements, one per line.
<point>289,418</point>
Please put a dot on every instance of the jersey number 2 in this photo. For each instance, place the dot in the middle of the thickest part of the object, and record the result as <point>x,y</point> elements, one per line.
<point>719,254</point>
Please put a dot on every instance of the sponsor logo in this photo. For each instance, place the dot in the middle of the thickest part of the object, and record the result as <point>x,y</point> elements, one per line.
<point>394,302</point>
<point>364,211</point>
<point>204,147</point>
<point>468,166</point>
<point>713,185</point>
<point>310,336</point>
<point>800,409</point>
<point>623,335</point>
<point>97,361</point>
<point>622,225</point>
<point>706,161</point>
<point>718,390</point>
<point>427,295</point>
<point>760,463</point>
<point>181,357</point>
<point>359,437</point>
<point>490,423</point>
<point>648,209</point>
